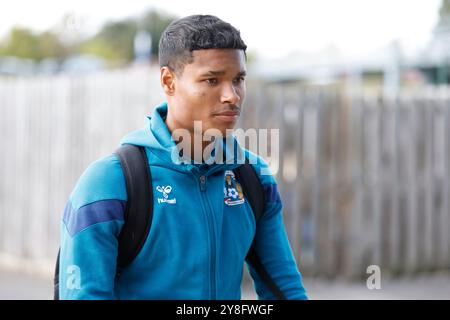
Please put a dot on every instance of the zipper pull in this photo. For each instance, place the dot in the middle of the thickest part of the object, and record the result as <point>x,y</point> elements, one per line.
<point>202,183</point>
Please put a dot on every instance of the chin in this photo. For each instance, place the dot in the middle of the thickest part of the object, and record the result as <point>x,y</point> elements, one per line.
<point>224,128</point>
<point>228,131</point>
<point>219,132</point>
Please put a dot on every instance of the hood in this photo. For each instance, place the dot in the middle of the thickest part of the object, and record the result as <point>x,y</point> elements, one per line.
<point>156,137</point>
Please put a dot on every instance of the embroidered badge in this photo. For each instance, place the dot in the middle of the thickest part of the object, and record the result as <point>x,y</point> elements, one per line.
<point>233,194</point>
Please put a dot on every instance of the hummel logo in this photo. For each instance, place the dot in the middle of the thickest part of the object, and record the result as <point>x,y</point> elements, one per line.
<point>165,190</point>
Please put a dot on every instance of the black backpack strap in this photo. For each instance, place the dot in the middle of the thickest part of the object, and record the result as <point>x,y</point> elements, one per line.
<point>252,188</point>
<point>56,279</point>
<point>138,210</point>
<point>254,193</point>
<point>139,207</point>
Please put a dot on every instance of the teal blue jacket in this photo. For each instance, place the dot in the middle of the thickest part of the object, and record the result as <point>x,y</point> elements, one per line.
<point>201,232</point>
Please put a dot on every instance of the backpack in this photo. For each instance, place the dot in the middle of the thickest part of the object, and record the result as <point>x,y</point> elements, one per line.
<point>139,211</point>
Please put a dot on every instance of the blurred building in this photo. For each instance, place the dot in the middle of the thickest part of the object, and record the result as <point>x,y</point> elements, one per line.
<point>385,70</point>
<point>75,64</point>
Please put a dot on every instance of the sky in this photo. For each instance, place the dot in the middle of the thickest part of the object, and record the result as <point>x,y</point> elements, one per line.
<point>272,29</point>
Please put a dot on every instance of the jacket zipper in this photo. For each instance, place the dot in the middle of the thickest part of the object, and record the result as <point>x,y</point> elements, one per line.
<point>211,225</point>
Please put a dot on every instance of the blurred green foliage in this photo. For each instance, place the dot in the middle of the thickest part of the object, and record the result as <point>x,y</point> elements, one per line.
<point>24,43</point>
<point>113,42</point>
<point>444,11</point>
<point>444,16</point>
<point>155,23</point>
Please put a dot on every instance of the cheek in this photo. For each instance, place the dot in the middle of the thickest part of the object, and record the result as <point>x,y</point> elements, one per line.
<point>242,93</point>
<point>192,92</point>
<point>193,102</point>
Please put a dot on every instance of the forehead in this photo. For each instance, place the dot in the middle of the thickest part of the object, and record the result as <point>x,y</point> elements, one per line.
<point>228,60</point>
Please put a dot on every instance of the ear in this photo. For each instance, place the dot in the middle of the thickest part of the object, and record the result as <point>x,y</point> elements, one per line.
<point>167,80</point>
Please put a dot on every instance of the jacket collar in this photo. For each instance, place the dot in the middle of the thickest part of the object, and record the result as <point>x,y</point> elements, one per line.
<point>165,148</point>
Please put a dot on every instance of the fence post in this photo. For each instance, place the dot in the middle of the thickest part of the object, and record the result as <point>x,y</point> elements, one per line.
<point>411,254</point>
<point>446,224</point>
<point>429,187</point>
<point>298,200</point>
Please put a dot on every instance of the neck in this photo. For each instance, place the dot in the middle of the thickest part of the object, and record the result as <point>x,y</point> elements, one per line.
<point>193,150</point>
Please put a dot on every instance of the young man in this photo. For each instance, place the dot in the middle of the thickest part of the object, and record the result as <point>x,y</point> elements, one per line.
<point>202,228</point>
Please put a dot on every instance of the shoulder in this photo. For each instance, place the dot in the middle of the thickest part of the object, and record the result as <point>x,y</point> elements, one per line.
<point>103,179</point>
<point>265,176</point>
<point>261,167</point>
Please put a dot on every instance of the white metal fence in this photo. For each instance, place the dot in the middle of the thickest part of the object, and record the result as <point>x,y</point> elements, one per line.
<point>364,181</point>
<point>51,129</point>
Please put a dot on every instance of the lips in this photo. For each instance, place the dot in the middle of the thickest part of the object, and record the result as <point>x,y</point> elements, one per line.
<point>227,116</point>
<point>228,113</point>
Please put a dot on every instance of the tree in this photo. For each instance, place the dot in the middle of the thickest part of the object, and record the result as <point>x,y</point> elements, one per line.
<point>114,42</point>
<point>155,22</point>
<point>21,43</point>
<point>445,8</point>
<point>443,25</point>
<point>49,46</point>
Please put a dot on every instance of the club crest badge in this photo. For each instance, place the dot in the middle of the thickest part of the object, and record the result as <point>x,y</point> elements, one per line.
<point>233,194</point>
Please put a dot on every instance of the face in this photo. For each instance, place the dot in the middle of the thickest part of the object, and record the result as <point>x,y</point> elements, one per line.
<point>211,89</point>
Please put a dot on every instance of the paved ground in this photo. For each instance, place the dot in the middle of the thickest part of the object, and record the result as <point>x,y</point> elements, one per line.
<point>21,286</point>
<point>424,287</point>
<point>15,285</point>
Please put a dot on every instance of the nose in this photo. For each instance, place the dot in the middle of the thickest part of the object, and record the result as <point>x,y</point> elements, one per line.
<point>230,94</point>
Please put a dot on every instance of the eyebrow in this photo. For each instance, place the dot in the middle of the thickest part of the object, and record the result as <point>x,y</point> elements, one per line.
<point>221,73</point>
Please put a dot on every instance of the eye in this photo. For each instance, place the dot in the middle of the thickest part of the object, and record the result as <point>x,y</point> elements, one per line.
<point>211,81</point>
<point>239,80</point>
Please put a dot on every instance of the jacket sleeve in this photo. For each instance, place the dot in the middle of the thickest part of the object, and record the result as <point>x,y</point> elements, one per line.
<point>92,221</point>
<point>273,250</point>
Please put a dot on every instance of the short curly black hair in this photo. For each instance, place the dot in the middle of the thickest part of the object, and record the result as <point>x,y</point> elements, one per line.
<point>195,32</point>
